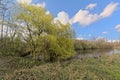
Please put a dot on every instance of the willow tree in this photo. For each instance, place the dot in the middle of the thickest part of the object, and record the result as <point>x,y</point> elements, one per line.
<point>44,38</point>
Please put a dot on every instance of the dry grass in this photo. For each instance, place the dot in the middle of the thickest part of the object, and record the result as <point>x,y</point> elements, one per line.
<point>104,68</point>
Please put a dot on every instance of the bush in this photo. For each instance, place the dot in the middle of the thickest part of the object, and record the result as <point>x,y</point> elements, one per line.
<point>84,44</point>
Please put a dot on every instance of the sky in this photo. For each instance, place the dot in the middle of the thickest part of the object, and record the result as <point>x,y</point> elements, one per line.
<point>89,18</point>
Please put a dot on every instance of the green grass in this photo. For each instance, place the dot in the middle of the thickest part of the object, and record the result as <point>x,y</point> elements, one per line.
<point>104,68</point>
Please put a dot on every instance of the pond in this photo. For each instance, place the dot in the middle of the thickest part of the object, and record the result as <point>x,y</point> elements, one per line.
<point>96,53</point>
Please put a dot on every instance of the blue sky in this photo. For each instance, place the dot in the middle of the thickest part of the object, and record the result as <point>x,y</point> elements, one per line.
<point>89,18</point>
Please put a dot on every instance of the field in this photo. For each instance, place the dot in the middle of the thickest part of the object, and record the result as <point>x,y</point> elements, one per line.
<point>104,68</point>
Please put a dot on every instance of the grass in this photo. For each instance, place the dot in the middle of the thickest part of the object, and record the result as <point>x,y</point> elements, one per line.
<point>104,68</point>
<point>9,64</point>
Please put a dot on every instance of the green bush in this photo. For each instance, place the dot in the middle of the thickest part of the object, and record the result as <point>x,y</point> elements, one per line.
<point>84,44</point>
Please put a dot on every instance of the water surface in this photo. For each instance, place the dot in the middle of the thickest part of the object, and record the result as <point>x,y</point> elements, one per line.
<point>82,54</point>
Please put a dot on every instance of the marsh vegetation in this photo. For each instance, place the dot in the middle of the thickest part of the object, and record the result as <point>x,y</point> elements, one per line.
<point>34,47</point>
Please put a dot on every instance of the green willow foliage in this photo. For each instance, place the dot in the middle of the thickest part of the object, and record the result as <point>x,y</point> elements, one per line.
<point>45,39</point>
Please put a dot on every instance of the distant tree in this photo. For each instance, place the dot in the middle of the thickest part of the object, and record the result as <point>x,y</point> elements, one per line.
<point>4,17</point>
<point>10,42</point>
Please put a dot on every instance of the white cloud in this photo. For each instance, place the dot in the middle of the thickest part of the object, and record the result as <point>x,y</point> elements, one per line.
<point>112,41</point>
<point>117,27</point>
<point>100,38</point>
<point>80,38</point>
<point>24,1</point>
<point>110,8</point>
<point>63,17</point>
<point>43,4</point>
<point>91,6</point>
<point>104,32</point>
<point>47,12</point>
<point>84,17</point>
